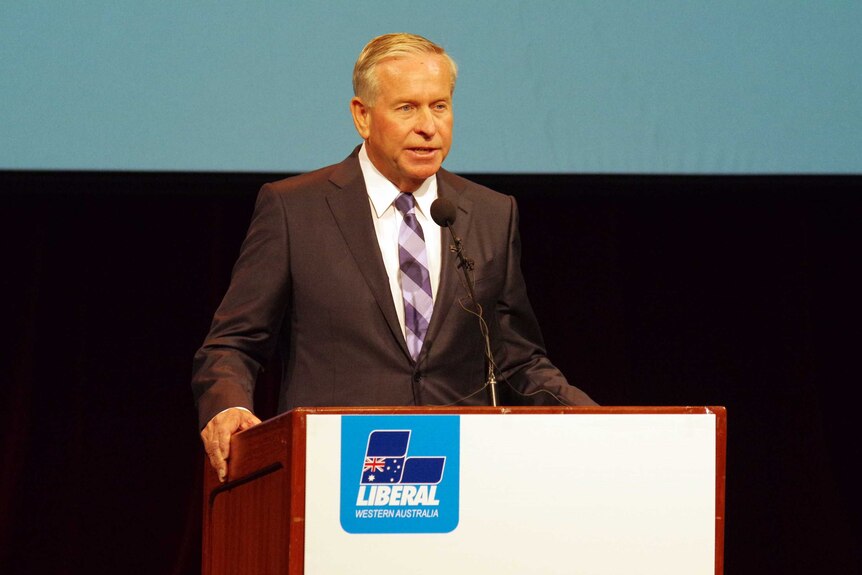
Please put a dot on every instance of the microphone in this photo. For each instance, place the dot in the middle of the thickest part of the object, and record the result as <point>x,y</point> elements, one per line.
<point>443,213</point>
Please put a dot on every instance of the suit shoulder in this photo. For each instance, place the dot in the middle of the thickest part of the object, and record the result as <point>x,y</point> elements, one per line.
<point>476,192</point>
<point>309,182</point>
<point>312,188</point>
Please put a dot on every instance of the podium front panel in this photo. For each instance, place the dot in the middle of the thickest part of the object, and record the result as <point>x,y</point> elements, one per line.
<point>598,493</point>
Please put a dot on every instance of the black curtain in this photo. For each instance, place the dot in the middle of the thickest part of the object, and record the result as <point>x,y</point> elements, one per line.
<point>651,290</point>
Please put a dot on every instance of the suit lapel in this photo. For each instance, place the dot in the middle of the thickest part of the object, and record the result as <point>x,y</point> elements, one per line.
<point>450,281</point>
<point>349,206</point>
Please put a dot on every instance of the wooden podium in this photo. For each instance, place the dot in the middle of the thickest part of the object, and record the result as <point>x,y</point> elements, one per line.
<point>545,490</point>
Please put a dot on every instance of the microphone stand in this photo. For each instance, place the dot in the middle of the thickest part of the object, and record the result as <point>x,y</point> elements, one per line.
<point>466,265</point>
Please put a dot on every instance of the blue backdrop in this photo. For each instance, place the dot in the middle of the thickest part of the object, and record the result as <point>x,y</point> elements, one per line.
<point>570,87</point>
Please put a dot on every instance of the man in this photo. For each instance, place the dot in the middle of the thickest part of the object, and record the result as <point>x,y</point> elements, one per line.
<point>345,275</point>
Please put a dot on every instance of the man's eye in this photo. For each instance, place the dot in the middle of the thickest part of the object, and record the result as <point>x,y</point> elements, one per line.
<point>406,108</point>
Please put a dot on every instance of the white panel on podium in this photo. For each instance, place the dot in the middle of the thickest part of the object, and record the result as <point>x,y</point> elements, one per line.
<point>549,494</point>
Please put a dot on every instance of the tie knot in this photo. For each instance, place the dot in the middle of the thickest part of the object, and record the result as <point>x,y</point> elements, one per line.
<point>405,203</point>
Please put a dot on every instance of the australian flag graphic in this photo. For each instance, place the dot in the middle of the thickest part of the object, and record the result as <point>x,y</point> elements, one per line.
<point>386,461</point>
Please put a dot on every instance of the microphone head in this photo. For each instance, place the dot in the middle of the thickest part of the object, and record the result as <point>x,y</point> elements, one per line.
<point>443,212</point>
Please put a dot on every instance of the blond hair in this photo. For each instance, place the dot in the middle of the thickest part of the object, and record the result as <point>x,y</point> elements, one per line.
<point>392,46</point>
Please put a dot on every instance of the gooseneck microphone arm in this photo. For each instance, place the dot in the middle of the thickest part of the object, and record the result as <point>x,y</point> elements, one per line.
<point>443,213</point>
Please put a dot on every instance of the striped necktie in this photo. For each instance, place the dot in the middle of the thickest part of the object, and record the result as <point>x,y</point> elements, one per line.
<point>415,280</point>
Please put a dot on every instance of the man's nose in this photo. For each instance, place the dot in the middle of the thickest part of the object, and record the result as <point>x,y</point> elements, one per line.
<point>425,122</point>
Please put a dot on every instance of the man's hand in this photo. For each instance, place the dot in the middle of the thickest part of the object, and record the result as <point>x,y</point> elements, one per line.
<point>216,436</point>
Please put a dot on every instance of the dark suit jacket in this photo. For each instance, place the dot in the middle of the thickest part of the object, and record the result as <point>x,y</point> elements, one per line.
<point>310,284</point>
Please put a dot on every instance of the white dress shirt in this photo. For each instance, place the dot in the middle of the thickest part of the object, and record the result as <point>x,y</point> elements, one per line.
<point>387,221</point>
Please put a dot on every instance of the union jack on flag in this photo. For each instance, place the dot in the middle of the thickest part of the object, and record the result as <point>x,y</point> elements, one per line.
<point>374,464</point>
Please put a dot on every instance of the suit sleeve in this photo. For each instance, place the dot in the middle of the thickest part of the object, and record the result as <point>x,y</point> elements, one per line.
<point>245,327</point>
<point>524,364</point>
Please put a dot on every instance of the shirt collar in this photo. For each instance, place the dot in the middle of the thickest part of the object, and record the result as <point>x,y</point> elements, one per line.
<point>383,193</point>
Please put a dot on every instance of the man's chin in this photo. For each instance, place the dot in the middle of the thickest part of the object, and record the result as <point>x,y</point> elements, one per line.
<point>420,176</point>
<point>422,170</point>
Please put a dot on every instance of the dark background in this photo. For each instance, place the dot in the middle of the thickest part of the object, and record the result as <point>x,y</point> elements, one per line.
<point>738,291</point>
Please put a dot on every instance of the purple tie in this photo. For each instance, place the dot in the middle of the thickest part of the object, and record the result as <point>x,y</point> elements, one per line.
<point>415,281</point>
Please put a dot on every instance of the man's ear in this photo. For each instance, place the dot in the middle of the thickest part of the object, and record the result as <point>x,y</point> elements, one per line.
<point>361,117</point>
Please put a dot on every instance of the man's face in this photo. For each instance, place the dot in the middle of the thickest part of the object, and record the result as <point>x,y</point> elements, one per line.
<point>408,128</point>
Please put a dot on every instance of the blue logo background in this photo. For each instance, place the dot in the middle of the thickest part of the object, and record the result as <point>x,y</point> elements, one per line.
<point>430,436</point>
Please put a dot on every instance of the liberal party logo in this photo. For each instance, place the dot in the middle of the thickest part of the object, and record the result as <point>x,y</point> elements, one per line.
<point>393,479</point>
<point>400,474</point>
